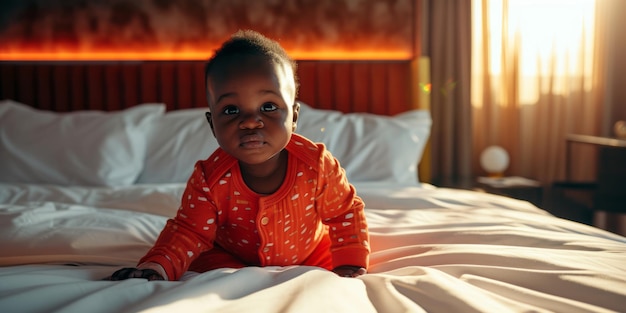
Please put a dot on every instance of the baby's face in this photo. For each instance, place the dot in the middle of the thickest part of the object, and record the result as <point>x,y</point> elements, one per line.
<point>253,111</point>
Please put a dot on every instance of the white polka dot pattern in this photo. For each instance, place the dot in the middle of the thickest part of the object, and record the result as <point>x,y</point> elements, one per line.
<point>280,229</point>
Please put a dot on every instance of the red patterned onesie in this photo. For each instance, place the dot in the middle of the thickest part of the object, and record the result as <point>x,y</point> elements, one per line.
<point>315,218</point>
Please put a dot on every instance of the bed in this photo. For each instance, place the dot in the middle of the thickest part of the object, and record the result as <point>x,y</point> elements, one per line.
<point>94,160</point>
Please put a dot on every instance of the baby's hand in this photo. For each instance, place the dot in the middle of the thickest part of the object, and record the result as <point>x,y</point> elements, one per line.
<point>349,271</point>
<point>132,272</point>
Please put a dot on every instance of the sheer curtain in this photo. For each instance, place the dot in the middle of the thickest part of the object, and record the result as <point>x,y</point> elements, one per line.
<point>538,70</point>
<point>537,75</point>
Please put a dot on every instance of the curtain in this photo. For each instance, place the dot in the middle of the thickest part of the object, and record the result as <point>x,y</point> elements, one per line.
<point>542,69</point>
<point>520,74</point>
<point>445,38</point>
<point>537,75</point>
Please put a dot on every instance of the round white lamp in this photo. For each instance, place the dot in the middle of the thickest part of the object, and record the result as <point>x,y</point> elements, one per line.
<point>620,129</point>
<point>494,160</point>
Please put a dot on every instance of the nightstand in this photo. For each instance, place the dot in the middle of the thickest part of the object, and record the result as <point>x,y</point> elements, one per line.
<point>514,187</point>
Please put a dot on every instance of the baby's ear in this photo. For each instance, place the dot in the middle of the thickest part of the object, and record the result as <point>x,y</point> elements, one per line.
<point>296,112</point>
<point>208,118</point>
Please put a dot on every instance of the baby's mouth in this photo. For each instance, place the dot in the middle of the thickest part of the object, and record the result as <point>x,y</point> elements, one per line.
<point>252,141</point>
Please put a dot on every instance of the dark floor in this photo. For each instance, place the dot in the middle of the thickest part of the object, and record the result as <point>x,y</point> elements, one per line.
<point>577,205</point>
<point>569,204</point>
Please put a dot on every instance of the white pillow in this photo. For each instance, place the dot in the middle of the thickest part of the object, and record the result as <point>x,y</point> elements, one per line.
<point>178,140</point>
<point>371,148</point>
<point>91,148</point>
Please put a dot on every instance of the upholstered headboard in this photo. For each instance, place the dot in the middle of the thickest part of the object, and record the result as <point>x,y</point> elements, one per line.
<point>380,87</point>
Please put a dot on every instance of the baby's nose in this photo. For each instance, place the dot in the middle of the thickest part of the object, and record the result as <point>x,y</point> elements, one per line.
<point>250,121</point>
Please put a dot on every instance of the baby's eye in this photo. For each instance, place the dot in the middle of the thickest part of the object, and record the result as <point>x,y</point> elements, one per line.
<point>268,107</point>
<point>230,110</point>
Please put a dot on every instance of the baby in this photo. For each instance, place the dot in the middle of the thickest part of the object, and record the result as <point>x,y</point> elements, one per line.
<point>267,196</point>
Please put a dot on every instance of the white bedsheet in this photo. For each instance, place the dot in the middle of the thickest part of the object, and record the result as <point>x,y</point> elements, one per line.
<point>434,250</point>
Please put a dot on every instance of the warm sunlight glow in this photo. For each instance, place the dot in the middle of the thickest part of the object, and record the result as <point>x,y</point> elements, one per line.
<point>103,55</point>
<point>540,39</point>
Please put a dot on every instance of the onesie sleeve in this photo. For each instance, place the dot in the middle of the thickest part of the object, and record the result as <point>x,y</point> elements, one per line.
<point>188,234</point>
<point>343,211</point>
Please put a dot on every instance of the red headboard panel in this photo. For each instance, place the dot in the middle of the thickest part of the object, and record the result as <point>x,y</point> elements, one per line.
<point>381,87</point>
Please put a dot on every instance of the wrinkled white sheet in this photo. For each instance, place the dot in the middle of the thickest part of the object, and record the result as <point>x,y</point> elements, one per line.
<point>434,250</point>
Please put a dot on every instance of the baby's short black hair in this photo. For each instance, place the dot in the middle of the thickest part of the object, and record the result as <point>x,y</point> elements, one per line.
<point>249,42</point>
